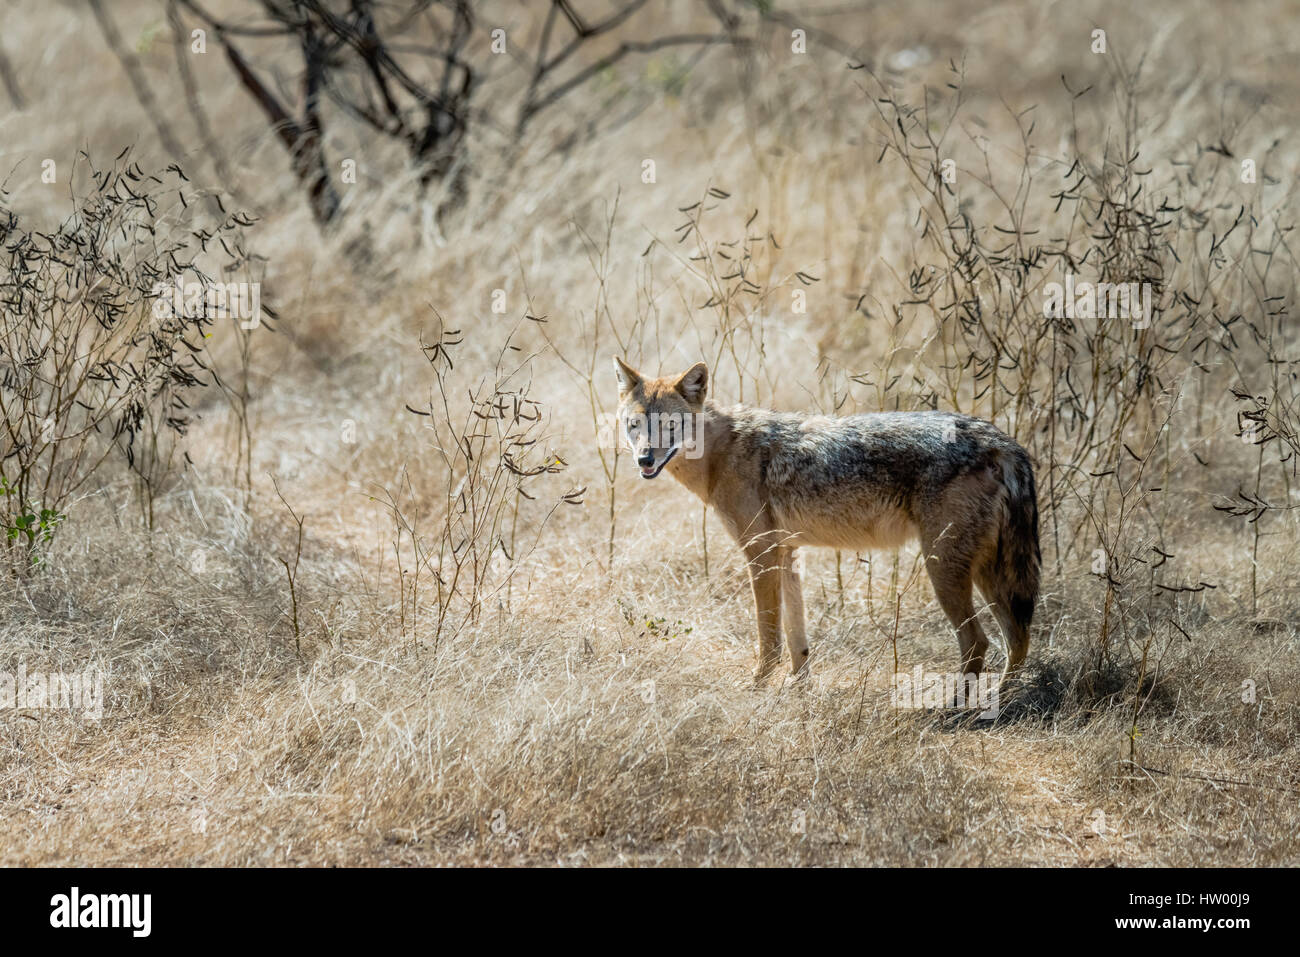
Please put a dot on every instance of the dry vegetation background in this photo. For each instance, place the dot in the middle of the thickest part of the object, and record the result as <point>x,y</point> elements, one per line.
<point>500,645</point>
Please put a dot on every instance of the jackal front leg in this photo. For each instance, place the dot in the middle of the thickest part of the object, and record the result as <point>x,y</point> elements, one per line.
<point>796,638</point>
<point>765,576</point>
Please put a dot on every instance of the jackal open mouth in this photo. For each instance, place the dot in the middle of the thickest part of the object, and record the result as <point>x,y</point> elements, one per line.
<point>653,470</point>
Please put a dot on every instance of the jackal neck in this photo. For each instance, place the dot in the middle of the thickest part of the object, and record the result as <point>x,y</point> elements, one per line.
<point>713,435</point>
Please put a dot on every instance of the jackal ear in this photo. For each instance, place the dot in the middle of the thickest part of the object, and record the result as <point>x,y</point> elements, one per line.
<point>693,384</point>
<point>628,378</point>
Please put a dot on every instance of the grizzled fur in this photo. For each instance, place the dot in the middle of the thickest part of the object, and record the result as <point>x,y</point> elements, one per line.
<point>781,480</point>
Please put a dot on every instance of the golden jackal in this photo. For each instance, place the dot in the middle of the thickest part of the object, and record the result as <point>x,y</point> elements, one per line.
<point>780,480</point>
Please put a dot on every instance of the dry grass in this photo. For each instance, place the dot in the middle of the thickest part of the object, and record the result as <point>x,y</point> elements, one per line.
<point>578,711</point>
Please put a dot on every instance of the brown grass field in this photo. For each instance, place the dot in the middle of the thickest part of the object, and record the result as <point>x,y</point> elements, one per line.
<point>489,642</point>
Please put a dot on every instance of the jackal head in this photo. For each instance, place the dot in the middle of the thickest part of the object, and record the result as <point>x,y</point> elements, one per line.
<point>658,417</point>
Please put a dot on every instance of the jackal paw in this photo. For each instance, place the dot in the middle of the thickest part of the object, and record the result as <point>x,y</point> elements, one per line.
<point>797,679</point>
<point>762,673</point>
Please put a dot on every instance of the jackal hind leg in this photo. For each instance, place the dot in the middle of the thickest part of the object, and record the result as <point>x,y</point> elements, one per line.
<point>951,574</point>
<point>1015,632</point>
<point>1001,596</point>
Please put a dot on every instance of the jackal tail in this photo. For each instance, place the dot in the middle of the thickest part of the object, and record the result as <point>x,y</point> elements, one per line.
<point>1019,555</point>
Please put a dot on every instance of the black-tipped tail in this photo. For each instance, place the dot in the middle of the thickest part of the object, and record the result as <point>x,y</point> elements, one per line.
<point>1018,538</point>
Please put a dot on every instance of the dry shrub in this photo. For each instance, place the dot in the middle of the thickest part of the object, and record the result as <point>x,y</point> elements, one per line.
<point>96,361</point>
